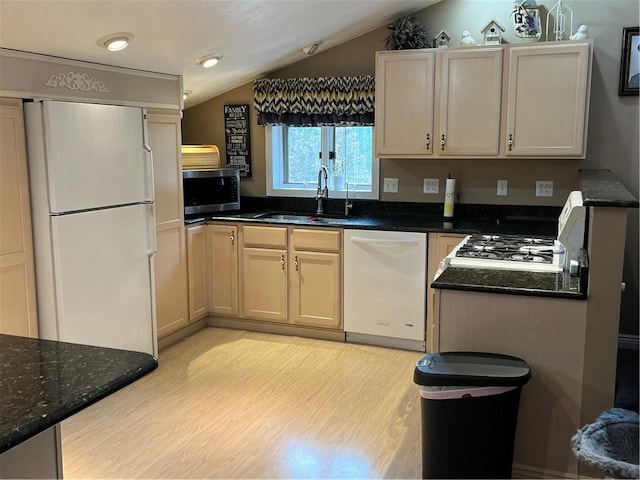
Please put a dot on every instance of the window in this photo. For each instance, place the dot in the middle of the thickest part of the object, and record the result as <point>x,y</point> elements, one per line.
<point>295,155</point>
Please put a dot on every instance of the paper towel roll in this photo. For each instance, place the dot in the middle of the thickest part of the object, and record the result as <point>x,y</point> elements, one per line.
<point>449,195</point>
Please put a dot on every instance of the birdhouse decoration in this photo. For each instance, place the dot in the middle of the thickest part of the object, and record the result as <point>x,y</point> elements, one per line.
<point>492,33</point>
<point>441,40</point>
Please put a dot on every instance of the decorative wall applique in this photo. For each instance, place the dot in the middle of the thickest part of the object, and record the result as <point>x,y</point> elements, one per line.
<point>526,19</point>
<point>76,81</point>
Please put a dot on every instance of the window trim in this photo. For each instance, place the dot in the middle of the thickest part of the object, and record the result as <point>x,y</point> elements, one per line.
<point>274,146</point>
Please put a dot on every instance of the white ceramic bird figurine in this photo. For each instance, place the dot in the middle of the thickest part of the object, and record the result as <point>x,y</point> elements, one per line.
<point>580,34</point>
<point>467,39</point>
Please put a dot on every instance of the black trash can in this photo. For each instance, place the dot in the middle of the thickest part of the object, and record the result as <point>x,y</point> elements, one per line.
<point>469,410</point>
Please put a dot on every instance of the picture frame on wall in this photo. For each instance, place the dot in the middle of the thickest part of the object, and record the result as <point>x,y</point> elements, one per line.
<point>630,62</point>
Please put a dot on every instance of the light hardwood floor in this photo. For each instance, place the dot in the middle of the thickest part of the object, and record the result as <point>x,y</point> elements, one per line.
<point>235,404</point>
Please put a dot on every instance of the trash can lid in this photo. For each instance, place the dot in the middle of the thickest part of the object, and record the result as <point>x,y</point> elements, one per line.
<point>471,369</point>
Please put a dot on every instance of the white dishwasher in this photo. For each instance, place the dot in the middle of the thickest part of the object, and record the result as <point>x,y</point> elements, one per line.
<point>385,288</point>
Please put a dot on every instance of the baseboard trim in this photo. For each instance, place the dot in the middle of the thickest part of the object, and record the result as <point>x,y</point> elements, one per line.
<point>404,344</point>
<point>178,335</point>
<point>526,471</point>
<point>277,329</point>
<point>629,342</point>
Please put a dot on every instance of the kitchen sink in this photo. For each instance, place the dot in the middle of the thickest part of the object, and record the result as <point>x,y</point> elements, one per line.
<point>295,217</point>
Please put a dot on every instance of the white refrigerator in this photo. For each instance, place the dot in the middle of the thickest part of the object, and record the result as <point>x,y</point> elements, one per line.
<point>91,179</point>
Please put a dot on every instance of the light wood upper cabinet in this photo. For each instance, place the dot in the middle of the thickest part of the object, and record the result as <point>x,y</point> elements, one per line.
<point>172,307</point>
<point>404,103</point>
<point>164,140</point>
<point>18,314</point>
<point>527,101</point>
<point>316,277</point>
<point>223,269</point>
<point>547,100</point>
<point>469,86</point>
<point>196,254</point>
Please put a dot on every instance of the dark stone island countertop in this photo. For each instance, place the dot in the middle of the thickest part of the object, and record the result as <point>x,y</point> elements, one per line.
<point>536,284</point>
<point>42,382</point>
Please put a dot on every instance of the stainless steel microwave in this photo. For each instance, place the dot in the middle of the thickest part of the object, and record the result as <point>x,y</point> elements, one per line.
<point>209,191</point>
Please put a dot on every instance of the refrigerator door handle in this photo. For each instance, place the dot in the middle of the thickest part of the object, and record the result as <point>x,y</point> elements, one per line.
<point>150,174</point>
<point>152,228</point>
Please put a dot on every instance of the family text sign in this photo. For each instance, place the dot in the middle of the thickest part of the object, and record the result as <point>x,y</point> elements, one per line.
<point>238,143</point>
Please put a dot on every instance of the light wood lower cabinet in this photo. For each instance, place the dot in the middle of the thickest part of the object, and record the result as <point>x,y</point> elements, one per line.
<point>440,245</point>
<point>264,273</point>
<point>171,279</point>
<point>315,278</point>
<point>223,269</point>
<point>276,274</point>
<point>17,275</point>
<point>196,248</point>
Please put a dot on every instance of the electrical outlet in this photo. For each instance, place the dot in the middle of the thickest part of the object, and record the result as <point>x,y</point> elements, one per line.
<point>431,185</point>
<point>544,188</point>
<point>502,188</point>
<point>390,185</point>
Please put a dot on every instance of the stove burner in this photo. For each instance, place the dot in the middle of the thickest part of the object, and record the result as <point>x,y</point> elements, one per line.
<point>509,248</point>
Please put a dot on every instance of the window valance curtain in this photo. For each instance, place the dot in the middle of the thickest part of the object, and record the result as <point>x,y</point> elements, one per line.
<point>304,102</point>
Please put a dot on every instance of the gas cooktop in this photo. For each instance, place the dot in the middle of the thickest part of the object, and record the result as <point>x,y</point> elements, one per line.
<point>508,252</point>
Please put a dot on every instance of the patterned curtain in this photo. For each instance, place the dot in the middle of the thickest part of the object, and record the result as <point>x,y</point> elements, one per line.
<point>305,102</point>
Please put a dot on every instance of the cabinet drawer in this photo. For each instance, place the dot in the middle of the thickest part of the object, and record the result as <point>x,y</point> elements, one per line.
<point>316,240</point>
<point>265,236</point>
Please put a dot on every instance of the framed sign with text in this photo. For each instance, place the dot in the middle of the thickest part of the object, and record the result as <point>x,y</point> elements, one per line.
<point>237,138</point>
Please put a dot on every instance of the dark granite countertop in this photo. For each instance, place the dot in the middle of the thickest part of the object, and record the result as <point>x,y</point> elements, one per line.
<point>600,188</point>
<point>400,216</point>
<point>42,382</point>
<point>537,284</point>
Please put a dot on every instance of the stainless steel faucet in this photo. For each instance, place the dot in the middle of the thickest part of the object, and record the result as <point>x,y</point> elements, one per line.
<point>322,192</point>
<point>347,205</point>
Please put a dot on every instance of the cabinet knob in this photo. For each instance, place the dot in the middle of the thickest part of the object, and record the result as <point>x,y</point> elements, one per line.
<point>427,141</point>
<point>233,239</point>
<point>282,261</point>
<point>510,142</point>
<point>295,263</point>
<point>443,140</point>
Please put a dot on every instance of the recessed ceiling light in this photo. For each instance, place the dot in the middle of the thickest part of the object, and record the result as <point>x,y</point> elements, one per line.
<point>116,41</point>
<point>209,61</point>
<point>185,94</point>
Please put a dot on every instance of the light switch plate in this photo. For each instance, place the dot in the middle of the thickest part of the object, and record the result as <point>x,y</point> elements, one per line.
<point>390,185</point>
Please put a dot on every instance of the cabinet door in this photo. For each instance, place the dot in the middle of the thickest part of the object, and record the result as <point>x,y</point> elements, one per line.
<point>440,245</point>
<point>172,308</point>
<point>223,269</point>
<point>197,278</point>
<point>171,280</point>
<point>316,289</point>
<point>404,103</point>
<point>164,140</point>
<point>547,97</point>
<point>17,277</point>
<point>264,284</point>
<point>469,101</point>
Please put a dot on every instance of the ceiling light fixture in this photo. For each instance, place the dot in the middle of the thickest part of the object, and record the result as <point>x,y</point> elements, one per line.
<point>116,41</point>
<point>311,49</point>
<point>209,61</point>
<point>185,94</point>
